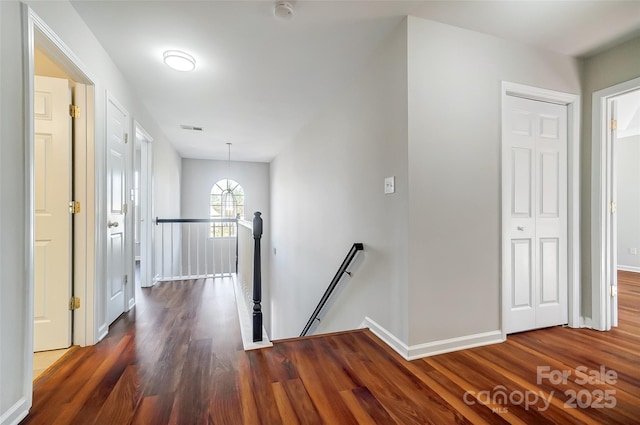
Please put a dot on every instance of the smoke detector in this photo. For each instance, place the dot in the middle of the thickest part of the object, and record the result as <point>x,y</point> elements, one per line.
<point>283,10</point>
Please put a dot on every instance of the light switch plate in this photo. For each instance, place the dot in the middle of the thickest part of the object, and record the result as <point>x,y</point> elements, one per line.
<point>389,185</point>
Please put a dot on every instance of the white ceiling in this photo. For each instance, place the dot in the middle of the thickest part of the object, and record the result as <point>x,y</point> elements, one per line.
<point>258,80</point>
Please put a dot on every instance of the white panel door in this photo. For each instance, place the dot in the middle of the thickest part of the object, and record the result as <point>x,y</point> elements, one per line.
<point>534,214</point>
<point>117,129</point>
<point>52,254</point>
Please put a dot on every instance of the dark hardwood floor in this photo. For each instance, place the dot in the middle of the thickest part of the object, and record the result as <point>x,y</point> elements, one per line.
<point>177,359</point>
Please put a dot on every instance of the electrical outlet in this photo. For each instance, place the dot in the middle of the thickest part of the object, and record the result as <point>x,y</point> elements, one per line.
<point>633,251</point>
<point>389,185</point>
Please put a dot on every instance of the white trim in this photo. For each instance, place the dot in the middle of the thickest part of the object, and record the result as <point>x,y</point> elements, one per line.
<point>24,404</point>
<point>600,308</point>
<point>585,322</point>
<point>572,101</point>
<point>245,321</point>
<point>387,337</point>
<point>15,413</point>
<point>146,213</point>
<point>38,32</point>
<point>433,348</point>
<point>632,269</point>
<point>102,332</point>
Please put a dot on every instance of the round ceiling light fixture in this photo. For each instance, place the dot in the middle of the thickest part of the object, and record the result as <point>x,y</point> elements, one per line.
<point>283,10</point>
<point>179,60</point>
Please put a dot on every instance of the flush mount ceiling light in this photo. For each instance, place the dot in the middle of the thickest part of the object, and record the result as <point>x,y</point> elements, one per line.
<point>178,60</point>
<point>283,10</point>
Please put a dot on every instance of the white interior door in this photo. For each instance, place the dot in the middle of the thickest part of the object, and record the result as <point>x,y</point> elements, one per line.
<point>52,152</point>
<point>534,200</point>
<point>117,134</point>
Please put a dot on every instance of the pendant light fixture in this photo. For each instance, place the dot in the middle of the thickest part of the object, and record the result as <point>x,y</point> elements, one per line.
<point>229,167</point>
<point>228,200</point>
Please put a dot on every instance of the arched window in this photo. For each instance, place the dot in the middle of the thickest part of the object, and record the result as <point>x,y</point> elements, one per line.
<point>227,201</point>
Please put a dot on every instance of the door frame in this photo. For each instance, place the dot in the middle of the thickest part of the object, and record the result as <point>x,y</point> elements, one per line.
<point>602,257</point>
<point>146,205</point>
<point>38,33</point>
<point>572,102</point>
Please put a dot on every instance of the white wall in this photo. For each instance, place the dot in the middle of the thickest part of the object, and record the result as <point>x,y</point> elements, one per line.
<point>614,66</point>
<point>199,176</point>
<point>14,394</point>
<point>327,193</point>
<point>454,171</point>
<point>628,203</point>
<point>66,23</point>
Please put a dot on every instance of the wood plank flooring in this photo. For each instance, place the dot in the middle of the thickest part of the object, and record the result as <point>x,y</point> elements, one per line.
<point>177,359</point>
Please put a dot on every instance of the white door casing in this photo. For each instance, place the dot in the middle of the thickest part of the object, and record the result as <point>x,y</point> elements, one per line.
<point>117,133</point>
<point>602,261</point>
<point>535,214</point>
<point>52,157</point>
<point>612,242</point>
<point>146,206</point>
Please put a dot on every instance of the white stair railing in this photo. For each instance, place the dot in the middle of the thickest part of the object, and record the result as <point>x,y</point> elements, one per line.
<point>197,248</point>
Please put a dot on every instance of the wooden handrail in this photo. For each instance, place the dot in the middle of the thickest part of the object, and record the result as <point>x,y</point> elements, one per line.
<point>334,282</point>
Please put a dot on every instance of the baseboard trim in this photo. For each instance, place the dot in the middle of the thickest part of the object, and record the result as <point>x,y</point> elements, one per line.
<point>419,351</point>
<point>585,322</point>
<point>629,269</point>
<point>15,413</point>
<point>102,332</point>
<point>387,337</point>
<point>132,303</point>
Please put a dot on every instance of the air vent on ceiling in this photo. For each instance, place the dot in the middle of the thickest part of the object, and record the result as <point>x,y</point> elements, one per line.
<point>191,127</point>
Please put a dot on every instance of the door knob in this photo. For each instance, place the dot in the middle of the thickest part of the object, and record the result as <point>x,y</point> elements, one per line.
<point>111,224</point>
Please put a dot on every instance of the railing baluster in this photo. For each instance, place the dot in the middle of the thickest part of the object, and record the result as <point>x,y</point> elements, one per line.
<point>237,237</point>
<point>229,254</point>
<point>198,250</point>
<point>213,252</point>
<point>162,248</point>
<point>206,242</point>
<point>172,274</point>
<point>189,250</point>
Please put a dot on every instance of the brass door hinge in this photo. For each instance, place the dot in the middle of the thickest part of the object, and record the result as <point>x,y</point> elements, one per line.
<point>74,303</point>
<point>126,279</point>
<point>74,207</point>
<point>126,137</point>
<point>125,208</point>
<point>74,111</point>
<point>614,124</point>
<point>613,208</point>
<point>613,290</point>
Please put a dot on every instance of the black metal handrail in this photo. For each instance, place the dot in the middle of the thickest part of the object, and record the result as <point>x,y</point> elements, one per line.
<point>334,282</point>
